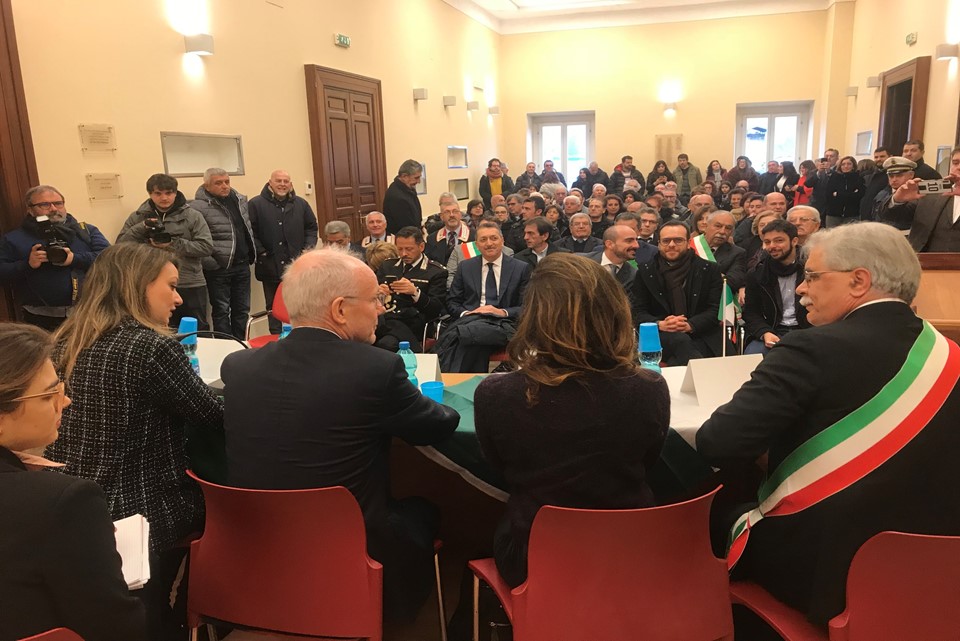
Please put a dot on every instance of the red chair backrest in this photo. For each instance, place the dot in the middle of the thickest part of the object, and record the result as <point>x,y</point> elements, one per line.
<point>291,561</point>
<point>624,574</point>
<point>57,634</point>
<point>903,586</point>
<point>279,309</point>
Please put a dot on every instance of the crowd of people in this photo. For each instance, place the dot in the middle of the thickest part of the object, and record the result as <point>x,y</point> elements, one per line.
<point>559,278</point>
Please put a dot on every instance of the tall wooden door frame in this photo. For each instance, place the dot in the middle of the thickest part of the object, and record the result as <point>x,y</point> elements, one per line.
<point>917,70</point>
<point>318,81</point>
<point>18,164</point>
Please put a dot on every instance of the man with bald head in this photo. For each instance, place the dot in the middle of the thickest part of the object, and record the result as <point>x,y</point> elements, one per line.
<point>342,401</point>
<point>619,248</point>
<point>284,225</point>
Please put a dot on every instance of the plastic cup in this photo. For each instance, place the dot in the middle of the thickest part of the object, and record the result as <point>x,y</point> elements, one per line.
<point>188,324</point>
<point>433,390</point>
<point>649,338</point>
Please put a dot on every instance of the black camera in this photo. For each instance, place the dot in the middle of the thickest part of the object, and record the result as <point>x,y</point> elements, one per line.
<point>156,231</point>
<point>56,249</point>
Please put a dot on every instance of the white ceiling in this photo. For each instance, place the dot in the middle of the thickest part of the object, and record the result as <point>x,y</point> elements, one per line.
<point>527,16</point>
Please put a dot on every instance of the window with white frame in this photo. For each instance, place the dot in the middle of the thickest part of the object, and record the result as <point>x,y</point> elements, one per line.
<point>566,138</point>
<point>773,131</point>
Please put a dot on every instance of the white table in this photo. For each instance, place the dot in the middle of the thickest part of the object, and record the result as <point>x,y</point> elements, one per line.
<point>686,414</point>
<point>211,352</point>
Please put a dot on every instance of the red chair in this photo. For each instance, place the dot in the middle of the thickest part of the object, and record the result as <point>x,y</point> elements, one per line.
<point>617,574</point>
<point>287,561</point>
<point>279,311</point>
<point>900,586</point>
<point>57,634</point>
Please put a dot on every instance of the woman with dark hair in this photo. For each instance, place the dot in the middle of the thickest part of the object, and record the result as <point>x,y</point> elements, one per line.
<point>787,181</point>
<point>802,193</point>
<point>556,218</point>
<point>715,172</point>
<point>844,191</point>
<point>579,423</point>
<point>721,193</point>
<point>612,205</point>
<point>474,213</point>
<point>744,171</point>
<point>133,389</point>
<point>733,199</point>
<point>57,548</point>
<point>659,176</point>
<point>582,181</point>
<point>549,178</point>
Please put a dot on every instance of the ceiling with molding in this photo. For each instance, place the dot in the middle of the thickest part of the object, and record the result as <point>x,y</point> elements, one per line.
<point>529,16</point>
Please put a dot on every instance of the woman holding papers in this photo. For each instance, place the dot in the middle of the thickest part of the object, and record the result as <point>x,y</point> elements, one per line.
<point>133,389</point>
<point>580,423</point>
<point>60,566</point>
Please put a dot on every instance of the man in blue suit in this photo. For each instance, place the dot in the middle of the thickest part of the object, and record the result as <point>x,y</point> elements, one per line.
<point>485,301</point>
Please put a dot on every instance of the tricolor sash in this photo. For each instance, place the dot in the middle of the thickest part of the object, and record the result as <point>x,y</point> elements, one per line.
<point>702,249</point>
<point>859,443</point>
<point>469,250</point>
<point>729,307</point>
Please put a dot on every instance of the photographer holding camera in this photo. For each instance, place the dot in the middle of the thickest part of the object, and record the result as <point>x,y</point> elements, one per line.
<point>166,221</point>
<point>47,258</point>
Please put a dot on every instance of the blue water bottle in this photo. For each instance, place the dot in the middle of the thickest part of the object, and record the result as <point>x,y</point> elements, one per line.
<point>648,344</point>
<point>409,362</point>
<point>285,330</point>
<point>188,325</point>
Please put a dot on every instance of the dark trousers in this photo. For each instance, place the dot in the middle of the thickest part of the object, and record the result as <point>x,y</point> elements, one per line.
<point>229,291</point>
<point>679,348</point>
<point>390,331</point>
<point>49,323</point>
<point>269,292</point>
<point>194,304</point>
<point>165,623</point>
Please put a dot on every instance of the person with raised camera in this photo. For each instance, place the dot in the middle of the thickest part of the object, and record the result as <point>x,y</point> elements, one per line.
<point>47,257</point>
<point>166,221</point>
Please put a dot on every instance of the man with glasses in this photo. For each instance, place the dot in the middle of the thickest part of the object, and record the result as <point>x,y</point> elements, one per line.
<point>807,221</point>
<point>319,409</point>
<point>680,292</point>
<point>47,257</point>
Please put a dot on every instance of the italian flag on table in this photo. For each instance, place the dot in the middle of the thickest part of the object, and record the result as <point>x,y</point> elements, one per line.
<point>469,250</point>
<point>729,308</point>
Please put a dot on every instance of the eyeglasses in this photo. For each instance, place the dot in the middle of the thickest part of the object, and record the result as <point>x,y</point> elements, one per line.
<point>380,298</point>
<point>805,219</point>
<point>673,241</point>
<point>812,277</point>
<point>48,205</point>
<point>59,390</point>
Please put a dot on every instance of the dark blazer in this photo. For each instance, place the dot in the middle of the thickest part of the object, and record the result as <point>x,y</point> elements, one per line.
<point>464,294</point>
<point>439,250</point>
<point>732,261</point>
<point>401,207</point>
<point>506,188</point>
<point>807,382</point>
<point>924,228</point>
<point>645,252</point>
<point>591,245</point>
<point>530,258</point>
<point>704,288</point>
<point>59,559</point>
<point>763,304</point>
<point>625,275</point>
<point>314,410</point>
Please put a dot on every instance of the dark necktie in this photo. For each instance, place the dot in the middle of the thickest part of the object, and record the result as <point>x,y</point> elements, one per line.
<point>613,269</point>
<point>451,239</point>
<point>491,287</point>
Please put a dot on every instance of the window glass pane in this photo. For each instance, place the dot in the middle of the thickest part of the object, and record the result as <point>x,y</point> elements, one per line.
<point>551,147</point>
<point>785,138</point>
<point>755,144</point>
<point>576,151</point>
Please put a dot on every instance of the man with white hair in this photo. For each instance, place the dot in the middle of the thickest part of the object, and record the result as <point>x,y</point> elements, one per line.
<point>598,190</point>
<point>376,224</point>
<point>342,401</point>
<point>855,419</point>
<point>807,221</point>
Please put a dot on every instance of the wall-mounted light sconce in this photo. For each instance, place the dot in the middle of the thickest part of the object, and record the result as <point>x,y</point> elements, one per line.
<point>873,82</point>
<point>670,109</point>
<point>947,51</point>
<point>200,44</point>
<point>852,91</point>
<point>494,110</point>
<point>420,94</point>
<point>473,105</point>
<point>449,101</point>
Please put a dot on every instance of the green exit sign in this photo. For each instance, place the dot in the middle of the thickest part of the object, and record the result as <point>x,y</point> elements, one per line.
<point>341,40</point>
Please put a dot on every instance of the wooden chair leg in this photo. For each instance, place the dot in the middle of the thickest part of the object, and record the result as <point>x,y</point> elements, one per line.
<point>440,608</point>
<point>476,608</point>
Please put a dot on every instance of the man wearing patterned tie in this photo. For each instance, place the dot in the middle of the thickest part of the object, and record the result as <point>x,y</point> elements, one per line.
<point>454,232</point>
<point>485,299</point>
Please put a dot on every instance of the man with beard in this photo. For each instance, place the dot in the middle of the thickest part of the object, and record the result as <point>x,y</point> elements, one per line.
<point>626,171</point>
<point>48,282</point>
<point>619,248</point>
<point>771,306</point>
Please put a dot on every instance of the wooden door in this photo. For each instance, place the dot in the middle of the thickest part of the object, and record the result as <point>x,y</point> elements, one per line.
<point>903,103</point>
<point>346,135</point>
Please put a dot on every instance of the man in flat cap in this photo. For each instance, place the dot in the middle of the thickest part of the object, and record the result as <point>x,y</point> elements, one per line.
<point>886,209</point>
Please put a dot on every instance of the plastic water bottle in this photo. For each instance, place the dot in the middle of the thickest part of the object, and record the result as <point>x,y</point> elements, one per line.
<point>285,330</point>
<point>409,362</point>
<point>188,325</point>
<point>648,344</point>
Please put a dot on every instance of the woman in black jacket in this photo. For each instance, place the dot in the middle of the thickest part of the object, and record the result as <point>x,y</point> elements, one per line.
<point>844,191</point>
<point>659,176</point>
<point>787,181</point>
<point>57,549</point>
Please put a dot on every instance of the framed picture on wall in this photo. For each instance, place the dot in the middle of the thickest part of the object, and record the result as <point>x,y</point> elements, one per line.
<point>865,143</point>
<point>422,185</point>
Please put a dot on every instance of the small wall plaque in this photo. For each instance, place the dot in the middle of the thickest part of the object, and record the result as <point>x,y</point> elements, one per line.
<point>97,138</point>
<point>104,187</point>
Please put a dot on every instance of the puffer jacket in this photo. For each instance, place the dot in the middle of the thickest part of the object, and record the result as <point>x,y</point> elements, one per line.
<point>222,230</point>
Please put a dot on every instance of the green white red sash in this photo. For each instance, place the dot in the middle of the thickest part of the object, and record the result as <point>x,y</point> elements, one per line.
<point>699,245</point>
<point>860,442</point>
<point>469,250</point>
<point>729,307</point>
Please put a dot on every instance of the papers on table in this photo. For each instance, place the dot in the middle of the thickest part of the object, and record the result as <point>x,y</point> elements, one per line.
<point>133,536</point>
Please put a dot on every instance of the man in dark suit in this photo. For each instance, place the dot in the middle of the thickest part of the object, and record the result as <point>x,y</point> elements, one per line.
<point>619,248</point>
<point>644,252</point>
<point>401,205</point>
<point>416,288</point>
<point>453,233</point>
<point>536,233</point>
<point>580,240</point>
<point>913,150</point>
<point>731,260</point>
<point>935,225</point>
<point>485,299</point>
<point>680,292</point>
<point>321,407</point>
<point>859,282</point>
